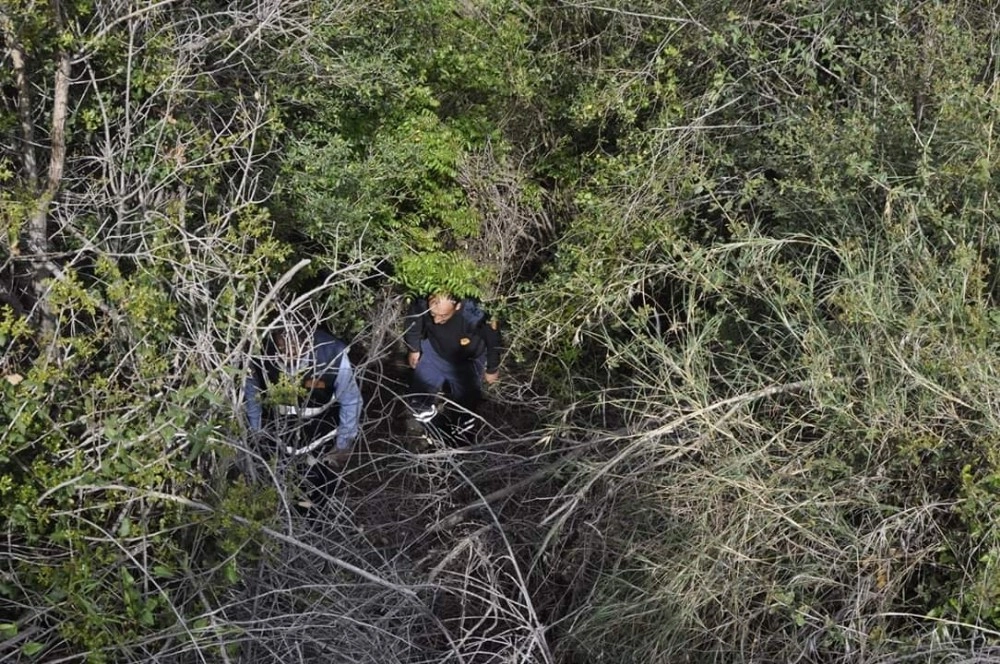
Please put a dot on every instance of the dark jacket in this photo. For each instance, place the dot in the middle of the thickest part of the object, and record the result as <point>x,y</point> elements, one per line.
<point>475,335</point>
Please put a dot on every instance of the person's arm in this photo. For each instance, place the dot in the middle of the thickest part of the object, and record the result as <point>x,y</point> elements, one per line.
<point>349,397</point>
<point>494,342</point>
<point>414,332</point>
<point>251,393</point>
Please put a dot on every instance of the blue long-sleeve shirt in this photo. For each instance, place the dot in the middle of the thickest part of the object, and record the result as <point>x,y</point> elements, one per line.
<point>327,361</point>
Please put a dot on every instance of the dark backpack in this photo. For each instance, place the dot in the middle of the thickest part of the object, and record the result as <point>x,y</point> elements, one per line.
<point>473,315</point>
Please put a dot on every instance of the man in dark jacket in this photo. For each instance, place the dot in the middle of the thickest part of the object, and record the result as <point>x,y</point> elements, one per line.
<point>304,394</point>
<point>451,342</point>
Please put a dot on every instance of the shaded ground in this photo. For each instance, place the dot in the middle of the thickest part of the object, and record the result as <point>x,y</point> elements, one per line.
<point>443,520</point>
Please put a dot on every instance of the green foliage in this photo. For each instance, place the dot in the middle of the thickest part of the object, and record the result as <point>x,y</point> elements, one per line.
<point>118,420</point>
<point>12,327</point>
<point>377,163</point>
<point>762,296</point>
<point>286,391</point>
<point>440,272</point>
<point>88,484</point>
<point>806,197</point>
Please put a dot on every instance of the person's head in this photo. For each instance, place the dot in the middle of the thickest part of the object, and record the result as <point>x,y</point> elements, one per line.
<point>287,343</point>
<point>442,307</point>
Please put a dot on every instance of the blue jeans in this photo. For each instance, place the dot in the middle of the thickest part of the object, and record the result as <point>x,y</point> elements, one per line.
<point>464,379</point>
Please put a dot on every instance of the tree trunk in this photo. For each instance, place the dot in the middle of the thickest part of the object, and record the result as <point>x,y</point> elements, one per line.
<point>35,235</point>
<point>38,235</point>
<point>24,112</point>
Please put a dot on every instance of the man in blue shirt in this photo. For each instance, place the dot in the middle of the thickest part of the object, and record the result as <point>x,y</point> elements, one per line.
<point>304,394</point>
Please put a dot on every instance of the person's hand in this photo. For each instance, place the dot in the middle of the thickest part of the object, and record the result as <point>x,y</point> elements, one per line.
<point>337,458</point>
<point>413,358</point>
<point>491,378</point>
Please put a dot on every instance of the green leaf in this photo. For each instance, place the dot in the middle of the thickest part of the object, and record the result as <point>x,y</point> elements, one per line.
<point>196,449</point>
<point>127,578</point>
<point>32,648</point>
<point>8,630</point>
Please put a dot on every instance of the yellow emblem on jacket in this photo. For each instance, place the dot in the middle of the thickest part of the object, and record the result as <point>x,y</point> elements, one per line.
<point>465,341</point>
